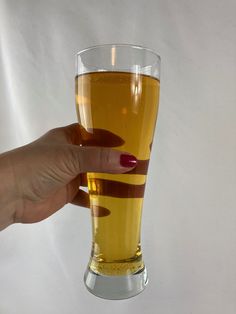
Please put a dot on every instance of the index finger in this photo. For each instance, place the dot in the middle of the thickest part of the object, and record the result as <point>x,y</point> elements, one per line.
<point>76,134</point>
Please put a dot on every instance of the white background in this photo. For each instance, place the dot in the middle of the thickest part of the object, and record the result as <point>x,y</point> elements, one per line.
<point>189,220</point>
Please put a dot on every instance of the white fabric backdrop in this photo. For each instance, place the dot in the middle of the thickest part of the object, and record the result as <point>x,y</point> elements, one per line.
<point>189,220</point>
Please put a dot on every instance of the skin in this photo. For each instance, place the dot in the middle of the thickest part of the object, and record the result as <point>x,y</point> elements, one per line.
<point>40,178</point>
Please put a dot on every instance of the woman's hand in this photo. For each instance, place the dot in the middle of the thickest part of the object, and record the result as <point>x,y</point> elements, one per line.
<point>43,176</point>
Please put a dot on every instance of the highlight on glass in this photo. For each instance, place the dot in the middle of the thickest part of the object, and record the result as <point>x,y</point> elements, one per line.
<point>117,97</point>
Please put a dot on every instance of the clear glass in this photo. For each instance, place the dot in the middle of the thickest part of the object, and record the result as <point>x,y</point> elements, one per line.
<point>117,97</point>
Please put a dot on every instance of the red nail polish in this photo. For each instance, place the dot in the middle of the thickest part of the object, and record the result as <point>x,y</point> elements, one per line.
<point>128,161</point>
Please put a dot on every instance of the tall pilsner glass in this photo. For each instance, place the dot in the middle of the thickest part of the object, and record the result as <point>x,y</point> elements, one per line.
<point>117,90</point>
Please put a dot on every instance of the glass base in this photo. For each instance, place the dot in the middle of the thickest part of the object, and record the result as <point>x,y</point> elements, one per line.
<point>116,287</point>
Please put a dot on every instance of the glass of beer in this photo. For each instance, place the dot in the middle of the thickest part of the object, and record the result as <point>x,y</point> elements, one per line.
<point>117,93</point>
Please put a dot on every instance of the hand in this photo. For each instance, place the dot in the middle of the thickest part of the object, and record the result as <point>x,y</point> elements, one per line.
<point>43,176</point>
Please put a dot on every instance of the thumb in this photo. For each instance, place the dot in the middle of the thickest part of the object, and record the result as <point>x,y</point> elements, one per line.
<point>101,159</point>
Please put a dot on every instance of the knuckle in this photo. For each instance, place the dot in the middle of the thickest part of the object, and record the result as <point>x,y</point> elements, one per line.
<point>105,158</point>
<point>53,132</point>
<point>51,136</point>
<point>76,160</point>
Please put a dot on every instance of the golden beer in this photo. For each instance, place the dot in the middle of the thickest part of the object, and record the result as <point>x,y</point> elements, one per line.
<point>125,104</point>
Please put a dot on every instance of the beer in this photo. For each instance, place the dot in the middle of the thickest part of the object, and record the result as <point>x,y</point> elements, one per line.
<point>125,104</point>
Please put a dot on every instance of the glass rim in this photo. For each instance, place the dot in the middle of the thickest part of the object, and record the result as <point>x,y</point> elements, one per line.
<point>79,53</point>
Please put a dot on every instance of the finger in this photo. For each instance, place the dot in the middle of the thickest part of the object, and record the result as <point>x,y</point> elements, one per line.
<point>63,135</point>
<point>73,188</point>
<point>100,159</point>
<point>81,199</point>
<point>100,137</point>
<point>76,134</point>
<point>83,179</point>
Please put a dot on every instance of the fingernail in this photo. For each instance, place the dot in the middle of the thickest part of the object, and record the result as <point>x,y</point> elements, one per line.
<point>128,161</point>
